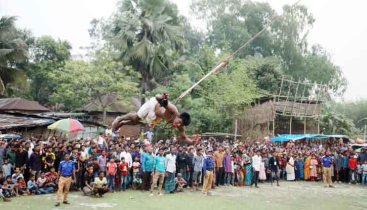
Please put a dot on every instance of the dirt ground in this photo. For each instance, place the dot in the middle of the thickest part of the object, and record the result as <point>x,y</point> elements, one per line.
<point>290,195</point>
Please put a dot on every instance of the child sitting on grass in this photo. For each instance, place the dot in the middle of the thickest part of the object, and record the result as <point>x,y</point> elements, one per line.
<point>137,181</point>
<point>8,189</point>
<point>42,184</point>
<point>32,186</point>
<point>21,187</point>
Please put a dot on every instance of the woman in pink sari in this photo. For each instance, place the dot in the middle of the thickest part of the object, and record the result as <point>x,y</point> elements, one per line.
<point>313,168</point>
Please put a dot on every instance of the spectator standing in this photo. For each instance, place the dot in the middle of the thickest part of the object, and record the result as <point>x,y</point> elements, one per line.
<point>65,174</point>
<point>190,166</point>
<point>274,168</point>
<point>124,166</point>
<point>182,162</point>
<point>327,162</point>
<point>256,163</point>
<point>208,168</point>
<point>364,173</point>
<point>198,167</point>
<point>35,162</point>
<point>345,168</point>
<point>147,167</point>
<point>218,157</point>
<point>102,162</point>
<point>352,164</point>
<point>21,157</point>
<point>6,168</point>
<point>111,174</point>
<point>159,167</point>
<point>228,167</point>
<point>169,185</point>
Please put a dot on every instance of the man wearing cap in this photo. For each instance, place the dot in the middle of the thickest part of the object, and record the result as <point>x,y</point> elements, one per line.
<point>65,174</point>
<point>327,162</point>
<point>208,168</point>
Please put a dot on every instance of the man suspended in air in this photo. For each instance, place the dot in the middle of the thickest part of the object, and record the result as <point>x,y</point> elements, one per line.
<point>152,112</point>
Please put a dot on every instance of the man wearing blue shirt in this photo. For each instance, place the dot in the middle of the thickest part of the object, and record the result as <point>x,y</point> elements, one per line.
<point>65,174</point>
<point>159,167</point>
<point>208,168</point>
<point>147,166</point>
<point>327,162</point>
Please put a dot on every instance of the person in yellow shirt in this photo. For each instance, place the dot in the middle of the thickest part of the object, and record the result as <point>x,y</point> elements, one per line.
<point>100,184</point>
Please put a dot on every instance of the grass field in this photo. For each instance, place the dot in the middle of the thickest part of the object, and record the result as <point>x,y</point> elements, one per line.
<point>300,195</point>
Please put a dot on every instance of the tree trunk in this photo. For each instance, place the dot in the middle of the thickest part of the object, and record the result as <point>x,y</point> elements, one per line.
<point>144,81</point>
<point>104,115</point>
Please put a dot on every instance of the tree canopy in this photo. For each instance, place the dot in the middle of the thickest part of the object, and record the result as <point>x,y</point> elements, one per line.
<point>145,47</point>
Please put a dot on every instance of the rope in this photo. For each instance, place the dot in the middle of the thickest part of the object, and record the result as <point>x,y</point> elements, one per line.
<point>226,61</point>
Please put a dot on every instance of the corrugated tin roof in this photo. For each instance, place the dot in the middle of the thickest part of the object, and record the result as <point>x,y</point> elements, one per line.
<point>11,121</point>
<point>20,104</point>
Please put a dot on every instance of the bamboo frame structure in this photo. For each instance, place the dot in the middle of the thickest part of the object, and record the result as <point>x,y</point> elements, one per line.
<point>296,109</point>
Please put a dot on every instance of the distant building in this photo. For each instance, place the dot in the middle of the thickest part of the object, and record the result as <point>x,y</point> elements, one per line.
<point>20,105</point>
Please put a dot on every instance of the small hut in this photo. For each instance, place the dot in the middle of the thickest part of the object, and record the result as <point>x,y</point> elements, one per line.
<point>20,105</point>
<point>295,110</point>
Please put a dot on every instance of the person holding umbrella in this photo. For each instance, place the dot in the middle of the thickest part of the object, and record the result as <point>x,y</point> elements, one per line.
<point>65,174</point>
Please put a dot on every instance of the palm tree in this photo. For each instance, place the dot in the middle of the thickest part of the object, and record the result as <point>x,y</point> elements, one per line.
<point>12,50</point>
<point>148,36</point>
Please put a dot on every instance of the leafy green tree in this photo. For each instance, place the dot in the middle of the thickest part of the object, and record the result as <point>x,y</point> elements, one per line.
<point>219,99</point>
<point>98,81</point>
<point>234,22</point>
<point>47,56</point>
<point>355,110</point>
<point>147,35</point>
<point>13,49</point>
<point>334,123</point>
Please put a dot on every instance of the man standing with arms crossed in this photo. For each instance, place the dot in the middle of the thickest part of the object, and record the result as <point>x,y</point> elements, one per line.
<point>327,161</point>
<point>66,173</point>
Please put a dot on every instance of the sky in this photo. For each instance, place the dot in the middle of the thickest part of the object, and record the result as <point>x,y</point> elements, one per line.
<point>340,27</point>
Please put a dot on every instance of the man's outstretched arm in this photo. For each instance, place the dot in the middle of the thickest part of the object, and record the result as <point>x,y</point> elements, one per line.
<point>185,139</point>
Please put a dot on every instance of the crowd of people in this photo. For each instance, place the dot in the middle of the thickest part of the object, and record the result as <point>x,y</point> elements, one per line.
<point>109,164</point>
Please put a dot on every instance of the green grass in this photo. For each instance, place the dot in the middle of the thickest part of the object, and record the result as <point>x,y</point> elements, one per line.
<point>300,195</point>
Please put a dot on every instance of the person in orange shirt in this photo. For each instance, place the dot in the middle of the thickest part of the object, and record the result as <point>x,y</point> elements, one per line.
<point>111,174</point>
<point>218,157</point>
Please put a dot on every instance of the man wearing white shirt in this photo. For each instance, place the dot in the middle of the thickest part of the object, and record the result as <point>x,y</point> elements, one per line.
<point>169,186</point>
<point>129,160</point>
<point>126,154</point>
<point>256,162</point>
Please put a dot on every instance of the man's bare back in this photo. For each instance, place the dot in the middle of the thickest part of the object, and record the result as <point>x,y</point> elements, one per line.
<point>163,109</point>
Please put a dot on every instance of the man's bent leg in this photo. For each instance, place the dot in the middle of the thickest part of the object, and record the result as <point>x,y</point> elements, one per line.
<point>131,118</point>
